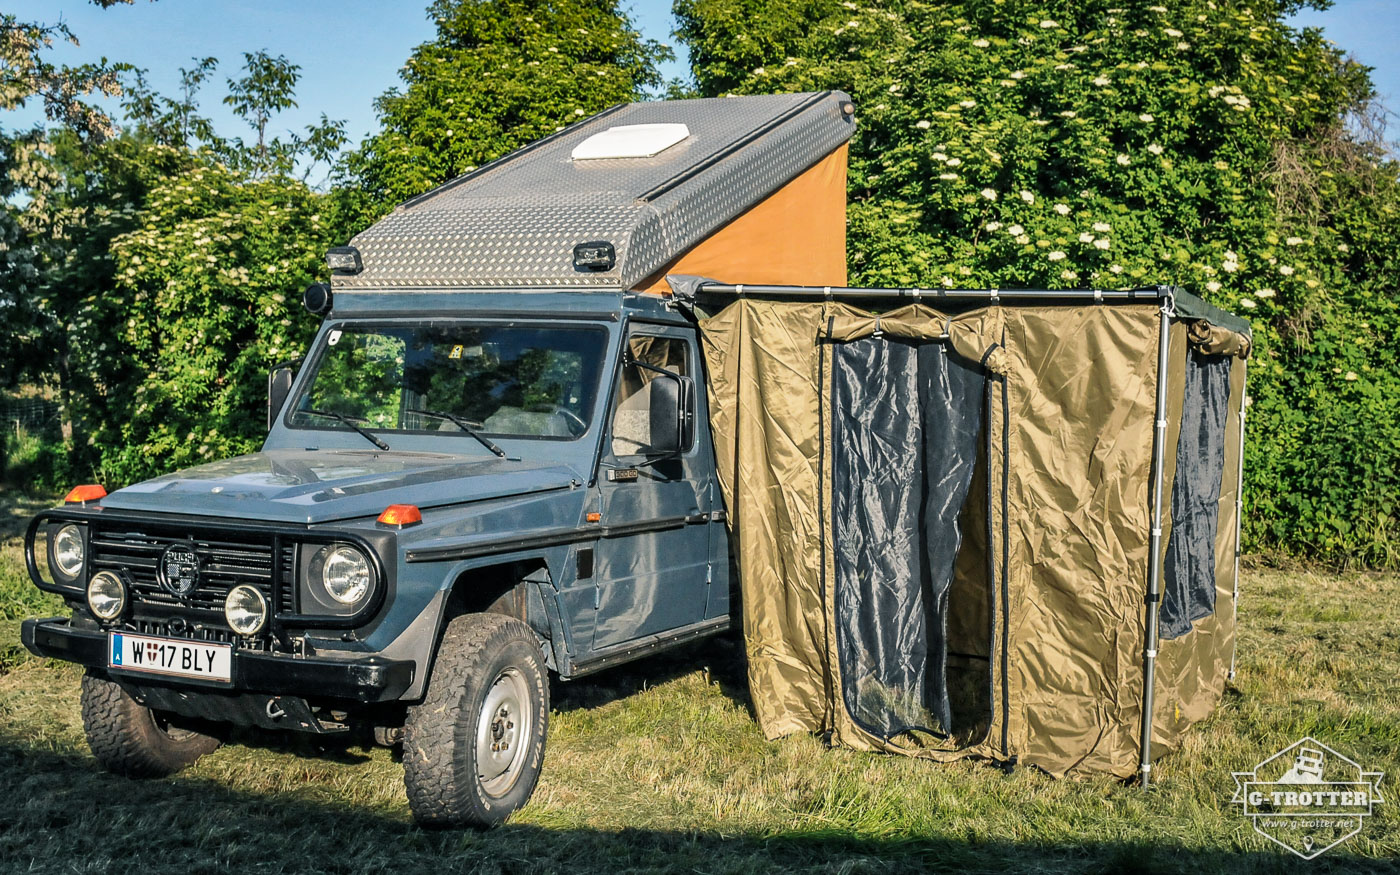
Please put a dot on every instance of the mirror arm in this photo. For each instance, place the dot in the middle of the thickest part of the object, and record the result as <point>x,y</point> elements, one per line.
<point>630,359</point>
<point>649,459</point>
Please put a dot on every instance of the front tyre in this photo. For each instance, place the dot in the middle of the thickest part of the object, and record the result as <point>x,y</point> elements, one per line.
<point>130,739</point>
<point>472,750</point>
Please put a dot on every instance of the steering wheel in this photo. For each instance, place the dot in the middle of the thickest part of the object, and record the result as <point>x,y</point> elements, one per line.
<point>576,425</point>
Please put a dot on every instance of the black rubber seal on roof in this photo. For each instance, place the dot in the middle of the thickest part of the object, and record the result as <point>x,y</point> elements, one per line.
<point>732,147</point>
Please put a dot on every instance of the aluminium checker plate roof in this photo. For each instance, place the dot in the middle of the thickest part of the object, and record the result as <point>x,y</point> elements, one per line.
<point>514,223</point>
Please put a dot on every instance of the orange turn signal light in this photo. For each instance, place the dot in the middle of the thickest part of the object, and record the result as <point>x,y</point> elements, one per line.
<point>85,493</point>
<point>401,515</point>
<point>594,516</point>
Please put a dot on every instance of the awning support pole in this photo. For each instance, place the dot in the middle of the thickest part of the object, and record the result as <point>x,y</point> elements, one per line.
<point>994,296</point>
<point>1239,519</point>
<point>1154,564</point>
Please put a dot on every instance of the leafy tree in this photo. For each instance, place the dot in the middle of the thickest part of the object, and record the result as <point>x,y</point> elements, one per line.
<point>499,74</point>
<point>27,177</point>
<point>1118,142</point>
<point>265,89</point>
<point>166,265</point>
<point>204,301</point>
<point>26,74</point>
<point>172,121</point>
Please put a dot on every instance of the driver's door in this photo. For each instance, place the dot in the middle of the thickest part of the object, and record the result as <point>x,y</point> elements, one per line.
<point>652,564</point>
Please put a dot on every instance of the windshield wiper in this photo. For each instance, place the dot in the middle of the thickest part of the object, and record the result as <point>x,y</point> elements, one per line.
<point>462,424</point>
<point>345,420</point>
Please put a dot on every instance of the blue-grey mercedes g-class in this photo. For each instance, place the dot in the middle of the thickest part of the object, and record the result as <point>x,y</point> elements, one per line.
<point>493,462</point>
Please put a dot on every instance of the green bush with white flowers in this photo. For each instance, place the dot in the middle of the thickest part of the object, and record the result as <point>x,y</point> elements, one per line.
<point>1082,144</point>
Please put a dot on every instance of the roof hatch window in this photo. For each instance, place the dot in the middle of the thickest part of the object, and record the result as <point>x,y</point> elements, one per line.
<point>630,141</point>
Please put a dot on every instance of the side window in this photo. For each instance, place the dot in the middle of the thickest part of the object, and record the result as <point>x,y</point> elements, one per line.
<point>631,422</point>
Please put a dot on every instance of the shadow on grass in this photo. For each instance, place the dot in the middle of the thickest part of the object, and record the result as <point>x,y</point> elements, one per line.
<point>60,813</point>
<point>722,656</point>
<point>17,508</point>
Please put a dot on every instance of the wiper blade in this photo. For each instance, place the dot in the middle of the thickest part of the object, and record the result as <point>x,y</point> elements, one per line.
<point>463,425</point>
<point>346,421</point>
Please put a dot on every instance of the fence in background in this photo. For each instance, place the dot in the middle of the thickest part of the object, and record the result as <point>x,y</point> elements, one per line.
<point>31,413</point>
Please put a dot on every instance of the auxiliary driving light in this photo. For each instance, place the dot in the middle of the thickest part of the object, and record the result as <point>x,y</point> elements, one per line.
<point>245,609</point>
<point>344,260</point>
<point>106,595</point>
<point>317,299</point>
<point>595,255</point>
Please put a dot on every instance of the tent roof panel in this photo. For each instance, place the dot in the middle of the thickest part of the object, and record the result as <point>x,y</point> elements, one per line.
<point>514,223</point>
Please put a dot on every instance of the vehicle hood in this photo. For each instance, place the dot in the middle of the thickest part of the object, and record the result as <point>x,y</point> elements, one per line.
<point>314,486</point>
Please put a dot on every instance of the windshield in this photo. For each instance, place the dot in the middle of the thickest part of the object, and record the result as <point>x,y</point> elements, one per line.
<point>504,380</point>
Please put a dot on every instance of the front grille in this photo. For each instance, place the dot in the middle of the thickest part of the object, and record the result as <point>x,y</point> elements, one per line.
<point>198,632</point>
<point>226,559</point>
<point>288,575</point>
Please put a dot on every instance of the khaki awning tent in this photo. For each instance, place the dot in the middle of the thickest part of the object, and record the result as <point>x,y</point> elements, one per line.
<point>948,507</point>
<point>949,514</point>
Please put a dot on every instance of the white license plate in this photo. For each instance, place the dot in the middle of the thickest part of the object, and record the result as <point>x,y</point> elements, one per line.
<point>186,659</point>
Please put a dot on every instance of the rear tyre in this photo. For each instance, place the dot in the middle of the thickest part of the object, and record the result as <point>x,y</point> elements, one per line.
<point>472,750</point>
<point>130,739</point>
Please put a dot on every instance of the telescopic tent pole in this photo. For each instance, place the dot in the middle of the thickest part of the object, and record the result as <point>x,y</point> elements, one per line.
<point>1239,519</point>
<point>1154,565</point>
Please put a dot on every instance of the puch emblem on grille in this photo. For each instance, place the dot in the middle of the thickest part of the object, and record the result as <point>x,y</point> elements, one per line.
<point>178,569</point>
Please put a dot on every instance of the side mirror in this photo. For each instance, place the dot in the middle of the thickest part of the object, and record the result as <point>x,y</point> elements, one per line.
<point>672,414</point>
<point>279,386</point>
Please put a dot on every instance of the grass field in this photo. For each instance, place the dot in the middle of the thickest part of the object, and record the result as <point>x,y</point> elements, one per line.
<point>662,767</point>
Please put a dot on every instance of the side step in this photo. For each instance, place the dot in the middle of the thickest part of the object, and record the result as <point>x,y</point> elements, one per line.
<point>620,653</point>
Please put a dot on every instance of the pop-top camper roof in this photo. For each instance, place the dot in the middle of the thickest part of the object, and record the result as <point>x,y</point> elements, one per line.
<point>653,180</point>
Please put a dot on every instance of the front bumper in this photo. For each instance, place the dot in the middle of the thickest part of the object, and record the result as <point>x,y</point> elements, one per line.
<point>366,679</point>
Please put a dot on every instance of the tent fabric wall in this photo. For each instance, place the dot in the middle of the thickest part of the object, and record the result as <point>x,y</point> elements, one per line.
<point>763,380</point>
<point>1080,413</point>
<point>1066,401</point>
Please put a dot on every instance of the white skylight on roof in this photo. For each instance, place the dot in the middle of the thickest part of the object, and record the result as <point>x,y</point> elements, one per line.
<point>631,141</point>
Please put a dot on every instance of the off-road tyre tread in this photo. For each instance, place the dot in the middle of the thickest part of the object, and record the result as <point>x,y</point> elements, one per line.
<point>439,734</point>
<point>125,739</point>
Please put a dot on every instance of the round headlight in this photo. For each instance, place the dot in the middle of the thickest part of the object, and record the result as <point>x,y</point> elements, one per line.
<point>346,575</point>
<point>245,609</point>
<point>68,552</point>
<point>106,595</point>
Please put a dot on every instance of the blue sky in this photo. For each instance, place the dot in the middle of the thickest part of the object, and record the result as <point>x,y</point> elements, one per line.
<point>350,51</point>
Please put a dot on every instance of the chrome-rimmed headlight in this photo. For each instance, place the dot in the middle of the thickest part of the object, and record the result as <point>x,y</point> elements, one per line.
<point>67,553</point>
<point>344,573</point>
<point>106,595</point>
<point>245,610</point>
